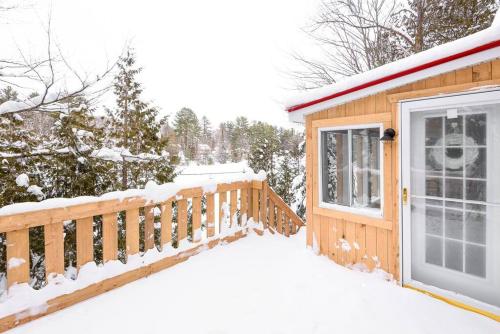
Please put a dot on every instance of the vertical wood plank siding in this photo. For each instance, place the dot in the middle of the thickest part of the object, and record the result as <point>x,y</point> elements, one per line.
<point>372,245</point>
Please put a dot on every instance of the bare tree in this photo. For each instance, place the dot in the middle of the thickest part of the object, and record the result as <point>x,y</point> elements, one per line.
<point>44,84</point>
<point>358,35</point>
<point>354,36</point>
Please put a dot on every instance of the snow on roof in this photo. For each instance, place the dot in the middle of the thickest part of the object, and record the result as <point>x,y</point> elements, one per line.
<point>476,48</point>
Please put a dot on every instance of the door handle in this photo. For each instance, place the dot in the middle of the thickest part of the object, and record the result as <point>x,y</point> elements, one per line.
<point>405,196</point>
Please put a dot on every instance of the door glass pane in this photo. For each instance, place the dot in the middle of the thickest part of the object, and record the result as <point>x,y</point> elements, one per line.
<point>475,259</point>
<point>434,250</point>
<point>454,131</point>
<point>475,129</point>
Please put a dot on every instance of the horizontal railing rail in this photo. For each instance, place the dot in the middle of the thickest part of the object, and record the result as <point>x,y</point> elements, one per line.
<point>211,213</point>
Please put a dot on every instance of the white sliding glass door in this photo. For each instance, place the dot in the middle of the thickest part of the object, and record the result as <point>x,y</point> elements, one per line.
<point>451,170</point>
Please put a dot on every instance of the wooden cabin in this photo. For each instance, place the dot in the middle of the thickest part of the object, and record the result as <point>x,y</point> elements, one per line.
<point>403,170</point>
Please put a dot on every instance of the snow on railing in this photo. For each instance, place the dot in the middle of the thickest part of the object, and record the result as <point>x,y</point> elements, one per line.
<point>187,219</point>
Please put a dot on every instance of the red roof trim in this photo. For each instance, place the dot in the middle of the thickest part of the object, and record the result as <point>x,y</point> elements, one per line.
<point>400,74</point>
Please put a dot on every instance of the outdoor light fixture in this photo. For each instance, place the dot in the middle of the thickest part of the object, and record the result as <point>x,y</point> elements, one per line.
<point>389,135</point>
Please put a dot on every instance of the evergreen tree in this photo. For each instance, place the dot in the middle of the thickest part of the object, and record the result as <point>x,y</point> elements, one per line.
<point>136,130</point>
<point>239,139</point>
<point>74,171</point>
<point>299,184</point>
<point>222,144</point>
<point>264,147</point>
<point>435,22</point>
<point>206,132</point>
<point>19,175</point>
<point>285,175</point>
<point>188,132</point>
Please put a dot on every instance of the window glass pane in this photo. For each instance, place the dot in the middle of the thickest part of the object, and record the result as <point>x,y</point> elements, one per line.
<point>335,166</point>
<point>366,168</point>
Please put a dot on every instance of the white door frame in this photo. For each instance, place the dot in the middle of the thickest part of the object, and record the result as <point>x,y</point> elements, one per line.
<point>405,109</point>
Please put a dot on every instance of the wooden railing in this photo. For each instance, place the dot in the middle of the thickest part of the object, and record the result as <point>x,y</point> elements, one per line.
<point>180,221</point>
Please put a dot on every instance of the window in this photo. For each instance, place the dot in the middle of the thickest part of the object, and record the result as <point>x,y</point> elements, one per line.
<point>350,160</point>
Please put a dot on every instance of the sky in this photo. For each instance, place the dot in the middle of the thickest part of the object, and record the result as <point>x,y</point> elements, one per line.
<point>221,58</point>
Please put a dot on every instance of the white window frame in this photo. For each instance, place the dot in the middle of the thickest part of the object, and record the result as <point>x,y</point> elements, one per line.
<point>371,212</point>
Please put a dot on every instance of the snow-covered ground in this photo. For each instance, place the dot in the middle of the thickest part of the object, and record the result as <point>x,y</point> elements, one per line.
<point>266,284</point>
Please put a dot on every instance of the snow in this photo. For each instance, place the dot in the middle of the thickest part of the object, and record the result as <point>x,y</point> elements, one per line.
<point>22,180</point>
<point>152,192</point>
<point>496,21</point>
<point>262,284</point>
<point>15,262</point>
<point>119,154</point>
<point>469,42</point>
<point>37,191</point>
<point>220,173</point>
<point>21,297</point>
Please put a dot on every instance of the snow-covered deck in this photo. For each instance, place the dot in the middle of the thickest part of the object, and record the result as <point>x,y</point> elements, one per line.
<point>262,284</point>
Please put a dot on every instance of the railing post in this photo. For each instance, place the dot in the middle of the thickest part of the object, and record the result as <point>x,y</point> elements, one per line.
<point>233,207</point>
<point>263,204</point>
<point>166,223</point>
<point>222,200</point>
<point>132,231</point>
<point>109,237</point>
<point>210,215</point>
<point>287,225</point>
<point>54,248</point>
<point>149,228</point>
<point>181,219</point>
<point>196,219</point>
<point>243,204</point>
<point>84,241</point>
<point>255,204</point>
<point>279,220</point>
<point>271,214</point>
<point>18,261</point>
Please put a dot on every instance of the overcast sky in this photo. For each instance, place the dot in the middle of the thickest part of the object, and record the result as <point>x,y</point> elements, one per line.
<point>222,58</point>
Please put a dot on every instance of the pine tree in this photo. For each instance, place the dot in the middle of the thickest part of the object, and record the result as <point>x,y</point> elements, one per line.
<point>239,139</point>
<point>434,22</point>
<point>206,132</point>
<point>74,171</point>
<point>299,184</point>
<point>19,175</point>
<point>222,154</point>
<point>136,130</point>
<point>188,131</point>
<point>285,175</point>
<point>264,148</point>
